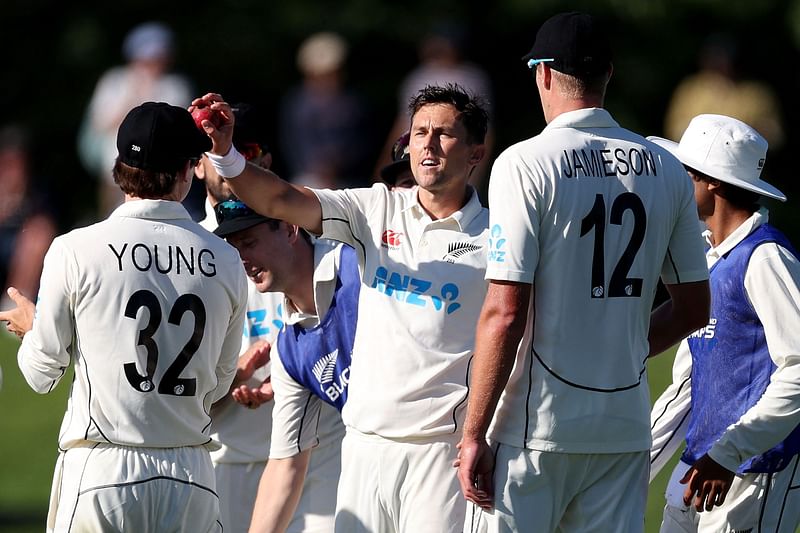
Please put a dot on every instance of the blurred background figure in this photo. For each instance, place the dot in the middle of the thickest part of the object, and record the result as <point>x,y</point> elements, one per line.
<point>323,129</point>
<point>27,226</point>
<point>442,60</point>
<point>397,174</point>
<point>718,87</point>
<point>149,51</point>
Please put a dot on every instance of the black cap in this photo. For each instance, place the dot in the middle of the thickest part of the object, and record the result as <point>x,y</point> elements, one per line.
<point>401,160</point>
<point>159,137</point>
<point>233,215</point>
<point>572,43</point>
<point>250,127</point>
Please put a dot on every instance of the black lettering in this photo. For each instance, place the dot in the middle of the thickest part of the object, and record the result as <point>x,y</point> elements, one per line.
<point>169,255</point>
<point>566,168</point>
<point>140,246</point>
<point>118,255</point>
<point>619,154</point>
<point>608,164</point>
<point>650,163</point>
<point>576,162</point>
<point>212,271</point>
<point>180,255</point>
<point>638,156</point>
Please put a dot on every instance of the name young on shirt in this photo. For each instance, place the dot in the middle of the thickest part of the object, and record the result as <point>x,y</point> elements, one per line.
<point>608,162</point>
<point>415,291</point>
<point>165,260</point>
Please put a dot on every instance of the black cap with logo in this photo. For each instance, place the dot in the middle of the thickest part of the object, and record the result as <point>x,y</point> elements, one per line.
<point>159,137</point>
<point>572,43</point>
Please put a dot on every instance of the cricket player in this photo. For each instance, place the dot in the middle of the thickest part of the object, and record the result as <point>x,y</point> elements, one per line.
<point>735,395</point>
<point>422,255</point>
<point>310,364</point>
<point>242,430</point>
<point>149,307</point>
<point>584,218</point>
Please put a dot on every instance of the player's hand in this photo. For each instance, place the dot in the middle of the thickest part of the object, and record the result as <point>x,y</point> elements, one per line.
<point>707,483</point>
<point>254,397</point>
<point>475,463</point>
<point>19,320</point>
<point>256,356</point>
<point>222,136</point>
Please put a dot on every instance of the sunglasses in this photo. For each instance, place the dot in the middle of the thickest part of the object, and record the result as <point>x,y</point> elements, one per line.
<point>231,209</point>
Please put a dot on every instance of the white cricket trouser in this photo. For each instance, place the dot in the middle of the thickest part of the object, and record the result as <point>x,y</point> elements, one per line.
<point>392,486</point>
<point>237,486</point>
<point>110,488</point>
<point>756,503</point>
<point>317,506</point>
<point>573,493</point>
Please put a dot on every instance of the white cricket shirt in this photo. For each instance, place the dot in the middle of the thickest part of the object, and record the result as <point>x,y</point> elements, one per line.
<point>590,214</point>
<point>242,432</point>
<point>772,284</point>
<point>150,309</point>
<point>423,288</point>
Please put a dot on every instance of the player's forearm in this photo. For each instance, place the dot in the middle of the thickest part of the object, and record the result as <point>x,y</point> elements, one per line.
<point>764,425</point>
<point>279,492</point>
<point>686,311</point>
<point>269,195</point>
<point>499,331</point>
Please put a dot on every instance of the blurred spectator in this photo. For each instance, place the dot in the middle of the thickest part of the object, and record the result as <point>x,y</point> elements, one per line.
<point>26,224</point>
<point>149,51</point>
<point>397,174</point>
<point>441,56</point>
<point>323,132</point>
<point>718,88</point>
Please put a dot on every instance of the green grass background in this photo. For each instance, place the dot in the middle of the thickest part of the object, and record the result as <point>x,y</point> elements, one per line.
<point>29,428</point>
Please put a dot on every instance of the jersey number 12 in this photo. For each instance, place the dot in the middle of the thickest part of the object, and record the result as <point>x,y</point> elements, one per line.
<point>620,285</point>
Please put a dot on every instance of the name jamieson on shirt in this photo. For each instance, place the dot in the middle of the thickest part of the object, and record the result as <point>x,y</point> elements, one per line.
<point>607,163</point>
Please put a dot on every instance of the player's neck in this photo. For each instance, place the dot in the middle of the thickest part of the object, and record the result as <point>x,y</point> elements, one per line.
<point>442,204</point>
<point>301,290</point>
<point>725,220</point>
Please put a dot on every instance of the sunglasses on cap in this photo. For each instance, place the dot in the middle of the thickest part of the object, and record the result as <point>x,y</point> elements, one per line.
<point>232,209</point>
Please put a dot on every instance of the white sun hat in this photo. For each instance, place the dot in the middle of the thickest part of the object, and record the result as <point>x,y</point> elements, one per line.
<point>726,149</point>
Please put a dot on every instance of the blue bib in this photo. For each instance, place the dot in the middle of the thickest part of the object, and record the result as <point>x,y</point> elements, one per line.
<point>319,357</point>
<point>731,366</point>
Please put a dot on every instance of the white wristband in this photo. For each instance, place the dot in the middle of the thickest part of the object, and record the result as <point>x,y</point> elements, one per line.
<point>229,165</point>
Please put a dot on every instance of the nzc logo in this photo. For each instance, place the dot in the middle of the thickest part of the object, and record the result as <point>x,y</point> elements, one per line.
<point>391,238</point>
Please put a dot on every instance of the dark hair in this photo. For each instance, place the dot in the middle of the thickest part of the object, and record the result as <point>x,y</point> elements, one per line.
<point>141,183</point>
<point>736,196</point>
<point>472,108</point>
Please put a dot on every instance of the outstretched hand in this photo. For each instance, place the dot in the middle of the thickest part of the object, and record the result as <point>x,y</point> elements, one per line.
<point>475,463</point>
<point>254,397</point>
<point>19,320</point>
<point>707,483</point>
<point>221,135</point>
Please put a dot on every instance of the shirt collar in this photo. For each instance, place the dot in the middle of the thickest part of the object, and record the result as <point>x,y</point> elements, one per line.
<point>210,214</point>
<point>155,209</point>
<point>746,228</point>
<point>324,272</point>
<point>462,217</point>
<point>591,117</point>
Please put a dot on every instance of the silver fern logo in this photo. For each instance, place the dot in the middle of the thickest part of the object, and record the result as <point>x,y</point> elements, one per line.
<point>456,250</point>
<point>324,368</point>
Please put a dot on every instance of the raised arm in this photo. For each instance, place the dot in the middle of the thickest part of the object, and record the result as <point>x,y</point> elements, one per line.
<point>260,189</point>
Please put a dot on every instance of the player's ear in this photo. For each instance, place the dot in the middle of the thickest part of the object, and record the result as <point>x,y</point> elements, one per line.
<point>293,232</point>
<point>477,154</point>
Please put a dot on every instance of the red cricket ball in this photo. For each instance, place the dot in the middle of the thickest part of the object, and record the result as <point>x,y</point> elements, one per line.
<point>206,113</point>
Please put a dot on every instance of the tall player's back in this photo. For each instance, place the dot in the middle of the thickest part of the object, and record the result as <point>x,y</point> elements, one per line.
<point>158,314</point>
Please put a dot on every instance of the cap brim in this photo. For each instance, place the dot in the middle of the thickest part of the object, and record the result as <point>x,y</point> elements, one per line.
<point>229,227</point>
